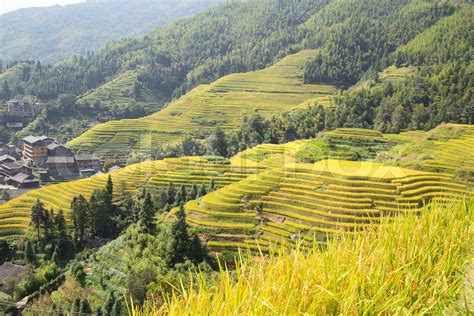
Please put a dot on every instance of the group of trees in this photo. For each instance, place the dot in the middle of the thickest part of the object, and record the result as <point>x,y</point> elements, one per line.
<point>361,35</point>
<point>51,233</point>
<point>422,101</point>
<point>96,215</point>
<point>173,245</point>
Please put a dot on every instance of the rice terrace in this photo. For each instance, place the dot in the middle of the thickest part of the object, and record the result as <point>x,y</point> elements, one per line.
<point>275,157</point>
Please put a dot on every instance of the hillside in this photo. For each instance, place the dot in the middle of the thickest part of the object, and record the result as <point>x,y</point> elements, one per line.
<point>238,36</point>
<point>282,157</point>
<point>334,194</point>
<point>86,27</point>
<point>223,103</point>
<point>381,271</point>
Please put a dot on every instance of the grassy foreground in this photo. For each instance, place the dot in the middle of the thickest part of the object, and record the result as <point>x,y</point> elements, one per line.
<point>413,265</point>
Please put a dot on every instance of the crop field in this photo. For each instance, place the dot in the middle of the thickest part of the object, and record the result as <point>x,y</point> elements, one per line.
<point>446,149</point>
<point>223,103</point>
<point>119,93</point>
<point>347,144</point>
<point>396,73</point>
<point>281,193</point>
<point>15,215</point>
<point>300,201</point>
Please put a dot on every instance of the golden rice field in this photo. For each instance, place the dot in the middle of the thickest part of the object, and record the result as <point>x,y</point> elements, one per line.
<point>15,215</point>
<point>267,195</point>
<point>307,200</point>
<point>412,266</point>
<point>223,103</point>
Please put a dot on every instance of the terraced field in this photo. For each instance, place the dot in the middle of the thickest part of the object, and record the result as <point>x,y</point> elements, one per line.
<point>307,200</point>
<point>119,93</point>
<point>396,73</point>
<point>224,103</point>
<point>449,149</point>
<point>271,193</point>
<point>15,215</point>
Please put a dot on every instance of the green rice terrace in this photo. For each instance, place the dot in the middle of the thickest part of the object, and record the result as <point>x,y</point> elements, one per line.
<point>223,103</point>
<point>340,181</point>
<point>119,92</point>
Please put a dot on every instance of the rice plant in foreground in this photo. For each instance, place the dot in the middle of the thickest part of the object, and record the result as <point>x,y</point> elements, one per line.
<point>412,265</point>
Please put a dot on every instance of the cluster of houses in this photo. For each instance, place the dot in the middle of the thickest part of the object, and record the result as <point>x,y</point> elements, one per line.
<point>43,158</point>
<point>23,111</point>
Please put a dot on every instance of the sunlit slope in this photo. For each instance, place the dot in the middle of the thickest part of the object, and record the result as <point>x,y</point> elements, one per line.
<point>273,192</point>
<point>15,215</point>
<point>307,199</point>
<point>120,92</point>
<point>223,103</point>
<point>449,148</point>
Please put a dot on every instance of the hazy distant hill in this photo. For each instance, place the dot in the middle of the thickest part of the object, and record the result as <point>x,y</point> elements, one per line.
<point>54,33</point>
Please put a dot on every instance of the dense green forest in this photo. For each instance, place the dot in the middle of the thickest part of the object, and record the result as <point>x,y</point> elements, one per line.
<point>84,27</point>
<point>356,39</point>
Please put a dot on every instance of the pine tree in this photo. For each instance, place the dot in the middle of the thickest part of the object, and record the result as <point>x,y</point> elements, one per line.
<point>100,212</point>
<point>170,193</point>
<point>110,186</point>
<point>197,251</point>
<point>147,214</point>
<point>85,308</point>
<point>183,193</point>
<point>60,223</point>
<point>109,191</point>
<point>178,198</point>
<point>30,255</point>
<point>212,185</point>
<point>179,239</point>
<point>194,192</point>
<point>37,216</point>
<point>46,221</point>
<point>202,190</point>
<point>79,209</point>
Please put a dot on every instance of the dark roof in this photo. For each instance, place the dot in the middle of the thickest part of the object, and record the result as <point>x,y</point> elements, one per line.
<point>53,146</point>
<point>23,178</point>
<point>7,157</point>
<point>83,157</point>
<point>12,165</point>
<point>34,139</point>
<point>60,159</point>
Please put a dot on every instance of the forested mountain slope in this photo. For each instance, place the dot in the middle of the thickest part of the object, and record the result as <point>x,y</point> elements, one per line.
<point>55,33</point>
<point>414,98</point>
<point>234,37</point>
<point>224,103</point>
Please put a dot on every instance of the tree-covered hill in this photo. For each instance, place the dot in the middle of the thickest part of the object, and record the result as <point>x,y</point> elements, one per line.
<point>355,38</point>
<point>54,33</point>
